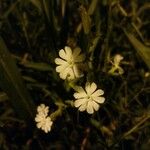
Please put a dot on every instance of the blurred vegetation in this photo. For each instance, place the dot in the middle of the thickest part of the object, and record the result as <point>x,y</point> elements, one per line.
<point>31,34</point>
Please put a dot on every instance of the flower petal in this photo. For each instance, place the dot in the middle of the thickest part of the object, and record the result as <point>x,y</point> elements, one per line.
<point>90,88</point>
<point>61,68</point>
<point>76,71</point>
<point>79,89</point>
<point>93,87</point>
<point>99,99</point>
<point>39,125</point>
<point>83,107</point>
<point>39,118</point>
<point>95,106</point>
<point>81,94</point>
<point>87,88</point>
<point>89,108</point>
<point>64,73</point>
<point>98,93</point>
<point>80,102</point>
<point>71,74</point>
<point>63,54</point>
<point>68,52</point>
<point>59,61</point>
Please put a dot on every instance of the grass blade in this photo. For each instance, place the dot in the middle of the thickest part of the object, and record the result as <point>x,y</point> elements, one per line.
<point>37,4</point>
<point>141,49</point>
<point>11,82</point>
<point>92,7</point>
<point>38,66</point>
<point>86,20</point>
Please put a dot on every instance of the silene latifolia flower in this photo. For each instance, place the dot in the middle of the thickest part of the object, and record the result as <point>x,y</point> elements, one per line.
<point>116,69</point>
<point>89,99</point>
<point>69,63</point>
<point>44,122</point>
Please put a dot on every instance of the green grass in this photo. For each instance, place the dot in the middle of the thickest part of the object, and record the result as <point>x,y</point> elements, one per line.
<point>31,34</point>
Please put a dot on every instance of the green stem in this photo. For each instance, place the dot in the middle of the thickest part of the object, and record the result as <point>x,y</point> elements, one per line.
<point>133,129</point>
<point>59,111</point>
<point>105,47</point>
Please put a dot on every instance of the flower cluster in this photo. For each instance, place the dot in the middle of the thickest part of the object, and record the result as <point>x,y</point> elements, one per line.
<point>86,99</point>
<point>69,68</point>
<point>69,63</point>
<point>89,99</point>
<point>43,120</point>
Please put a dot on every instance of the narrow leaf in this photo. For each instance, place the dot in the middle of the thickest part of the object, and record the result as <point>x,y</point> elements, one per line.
<point>63,7</point>
<point>94,43</point>
<point>46,9</point>
<point>12,84</point>
<point>12,7</point>
<point>141,49</point>
<point>92,7</point>
<point>38,66</point>
<point>86,20</point>
<point>29,79</point>
<point>37,4</point>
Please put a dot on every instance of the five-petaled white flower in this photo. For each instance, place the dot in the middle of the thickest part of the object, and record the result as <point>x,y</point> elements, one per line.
<point>69,63</point>
<point>43,121</point>
<point>89,99</point>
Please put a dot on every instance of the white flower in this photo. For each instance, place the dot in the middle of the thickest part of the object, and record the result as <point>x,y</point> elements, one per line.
<point>69,63</point>
<point>43,109</point>
<point>43,121</point>
<point>116,69</point>
<point>89,99</point>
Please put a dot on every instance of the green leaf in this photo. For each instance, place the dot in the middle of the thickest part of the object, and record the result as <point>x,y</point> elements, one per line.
<point>46,9</point>
<point>8,11</point>
<point>29,79</point>
<point>12,84</point>
<point>38,66</point>
<point>37,4</point>
<point>63,7</point>
<point>141,49</point>
<point>92,7</point>
<point>94,43</point>
<point>86,20</point>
